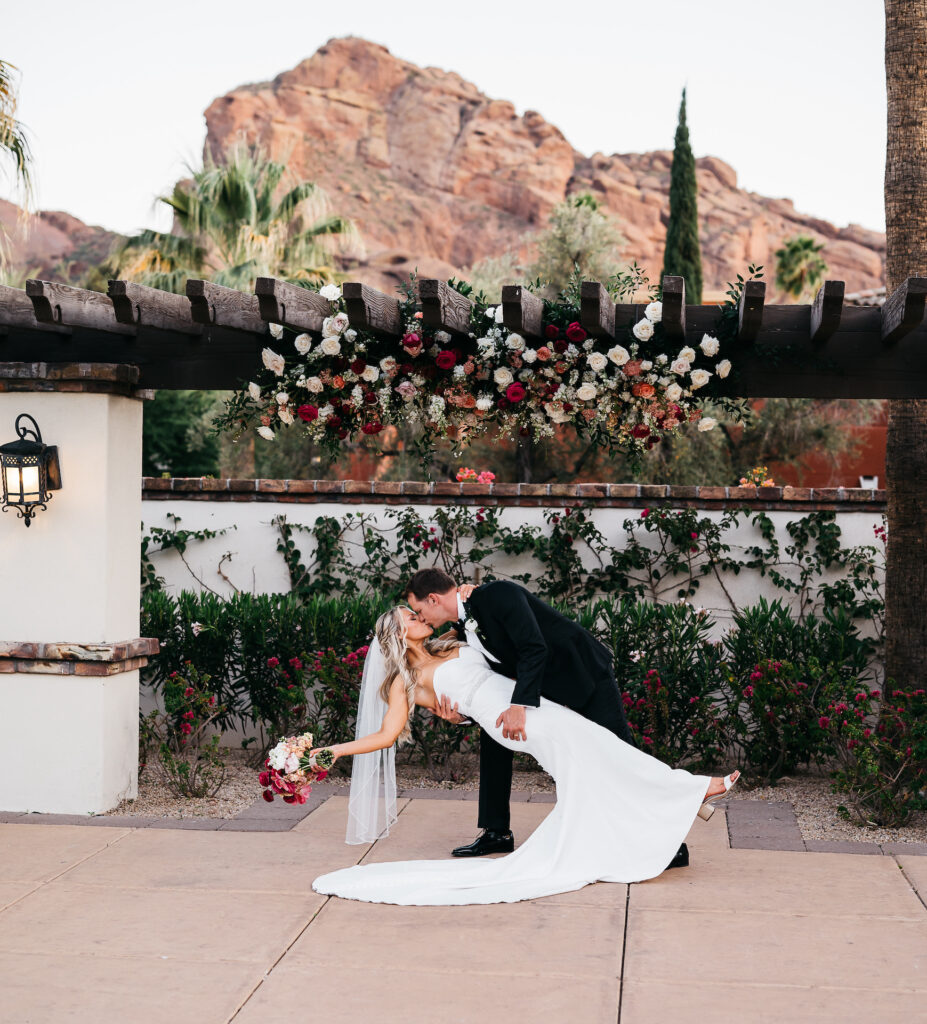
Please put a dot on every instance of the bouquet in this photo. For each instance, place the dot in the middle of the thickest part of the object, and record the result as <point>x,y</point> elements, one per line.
<point>290,771</point>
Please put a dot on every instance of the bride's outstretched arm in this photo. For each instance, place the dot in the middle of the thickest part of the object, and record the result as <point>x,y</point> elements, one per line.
<point>394,721</point>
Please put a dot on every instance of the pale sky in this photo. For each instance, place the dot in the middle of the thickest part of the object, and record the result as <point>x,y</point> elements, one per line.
<point>791,94</point>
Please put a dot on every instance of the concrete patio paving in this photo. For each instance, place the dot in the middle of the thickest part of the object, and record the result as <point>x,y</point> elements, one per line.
<point>153,925</point>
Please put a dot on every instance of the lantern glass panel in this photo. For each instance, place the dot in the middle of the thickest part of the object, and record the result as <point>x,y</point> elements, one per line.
<point>31,483</point>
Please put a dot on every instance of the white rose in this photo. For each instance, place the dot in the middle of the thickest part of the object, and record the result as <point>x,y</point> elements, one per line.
<point>339,322</point>
<point>556,413</point>
<point>276,331</point>
<point>388,364</point>
<point>314,385</point>
<point>350,334</point>
<point>303,343</point>
<point>273,361</point>
<point>331,346</point>
<point>282,398</point>
<point>490,312</point>
<point>371,374</point>
<point>723,368</point>
<point>596,361</point>
<point>285,415</point>
<point>503,377</point>
<point>442,337</point>
<point>699,378</point>
<point>646,365</point>
<point>586,392</point>
<point>643,330</point>
<point>515,342</point>
<point>673,393</point>
<point>709,345</point>
<point>654,312</point>
<point>662,359</point>
<point>589,344</point>
<point>529,355</point>
<point>484,403</point>
<point>485,345</point>
<point>292,763</point>
<point>707,423</point>
<point>331,292</point>
<point>619,355</point>
<point>498,314</point>
<point>680,366</point>
<point>687,353</point>
<point>254,391</point>
<point>266,433</point>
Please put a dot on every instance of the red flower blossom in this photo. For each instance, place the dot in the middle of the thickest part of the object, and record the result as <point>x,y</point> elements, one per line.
<point>188,692</point>
<point>411,340</point>
<point>575,332</point>
<point>560,345</point>
<point>371,428</point>
<point>333,422</point>
<point>551,331</point>
<point>273,662</point>
<point>307,413</point>
<point>358,366</point>
<point>264,778</point>
<point>268,796</point>
<point>515,392</point>
<point>641,430</point>
<point>446,359</point>
<point>370,398</point>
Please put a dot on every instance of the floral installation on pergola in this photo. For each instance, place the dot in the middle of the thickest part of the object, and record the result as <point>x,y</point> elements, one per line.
<point>623,390</point>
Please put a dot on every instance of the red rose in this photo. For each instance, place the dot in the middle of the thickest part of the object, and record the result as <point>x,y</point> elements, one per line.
<point>406,368</point>
<point>372,428</point>
<point>503,403</point>
<point>334,422</point>
<point>551,331</point>
<point>264,778</point>
<point>307,413</point>
<point>370,398</point>
<point>411,340</point>
<point>515,392</point>
<point>560,345</point>
<point>640,430</point>
<point>273,662</point>
<point>446,359</point>
<point>358,366</point>
<point>268,796</point>
<point>290,798</point>
<point>342,434</point>
<point>575,332</point>
<point>567,406</point>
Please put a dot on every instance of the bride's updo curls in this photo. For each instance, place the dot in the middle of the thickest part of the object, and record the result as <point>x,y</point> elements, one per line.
<point>391,635</point>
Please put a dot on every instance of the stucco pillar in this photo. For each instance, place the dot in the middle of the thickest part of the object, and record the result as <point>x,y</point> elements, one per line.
<point>69,595</point>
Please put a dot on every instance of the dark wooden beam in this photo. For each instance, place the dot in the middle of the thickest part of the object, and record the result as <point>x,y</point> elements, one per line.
<point>596,310</point>
<point>280,302</point>
<point>369,308</point>
<point>826,311</point>
<point>55,303</point>
<point>224,307</point>
<point>138,304</point>
<point>16,310</point>
<point>750,312</point>
<point>904,309</point>
<point>674,307</point>
<point>522,311</point>
<point>444,307</point>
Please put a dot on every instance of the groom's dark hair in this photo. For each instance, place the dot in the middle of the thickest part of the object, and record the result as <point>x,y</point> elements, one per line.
<point>429,581</point>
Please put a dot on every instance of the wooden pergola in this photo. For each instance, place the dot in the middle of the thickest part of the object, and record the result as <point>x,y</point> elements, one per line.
<point>212,336</point>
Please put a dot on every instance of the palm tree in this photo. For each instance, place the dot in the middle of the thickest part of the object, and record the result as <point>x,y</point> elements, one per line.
<point>906,256</point>
<point>14,148</point>
<point>799,268</point>
<point>229,227</point>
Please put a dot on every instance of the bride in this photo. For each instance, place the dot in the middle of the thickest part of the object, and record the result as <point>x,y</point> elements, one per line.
<point>620,814</point>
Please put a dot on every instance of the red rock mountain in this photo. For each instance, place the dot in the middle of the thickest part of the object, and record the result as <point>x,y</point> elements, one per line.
<point>437,175</point>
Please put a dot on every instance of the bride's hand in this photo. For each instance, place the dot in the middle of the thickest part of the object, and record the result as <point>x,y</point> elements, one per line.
<point>318,750</point>
<point>448,713</point>
<point>465,590</point>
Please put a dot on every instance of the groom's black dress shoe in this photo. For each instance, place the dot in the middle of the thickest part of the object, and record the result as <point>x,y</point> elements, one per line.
<point>681,860</point>
<point>488,842</point>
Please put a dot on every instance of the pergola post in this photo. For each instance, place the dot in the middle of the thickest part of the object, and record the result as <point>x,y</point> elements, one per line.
<point>69,607</point>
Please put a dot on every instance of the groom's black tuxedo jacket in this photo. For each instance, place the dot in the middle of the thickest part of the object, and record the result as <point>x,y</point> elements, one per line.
<point>543,651</point>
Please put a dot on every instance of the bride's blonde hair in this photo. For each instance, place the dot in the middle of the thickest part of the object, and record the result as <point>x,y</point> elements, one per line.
<point>391,634</point>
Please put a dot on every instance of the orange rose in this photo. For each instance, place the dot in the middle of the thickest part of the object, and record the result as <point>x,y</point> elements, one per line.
<point>643,390</point>
<point>543,353</point>
<point>468,401</point>
<point>561,367</point>
<point>338,382</point>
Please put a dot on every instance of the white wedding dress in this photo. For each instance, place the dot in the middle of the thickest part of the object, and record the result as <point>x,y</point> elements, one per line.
<point>620,814</point>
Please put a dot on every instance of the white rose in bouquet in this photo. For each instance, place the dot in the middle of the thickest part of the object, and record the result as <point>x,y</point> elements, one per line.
<point>273,361</point>
<point>699,378</point>
<point>515,342</point>
<point>254,392</point>
<point>331,292</point>
<point>303,343</point>
<point>282,398</point>
<point>503,377</point>
<point>673,393</point>
<point>680,366</point>
<point>371,374</point>
<point>654,312</point>
<point>596,361</point>
<point>687,353</point>
<point>266,433</point>
<point>723,368</point>
<point>643,330</point>
<point>340,322</point>
<point>709,345</point>
<point>276,331</point>
<point>530,355</point>
<point>586,392</point>
<point>314,385</point>
<point>707,423</point>
<point>331,346</point>
<point>285,415</point>
<point>619,355</point>
<point>291,764</point>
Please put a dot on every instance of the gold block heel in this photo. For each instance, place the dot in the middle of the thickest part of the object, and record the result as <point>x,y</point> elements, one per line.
<point>706,811</point>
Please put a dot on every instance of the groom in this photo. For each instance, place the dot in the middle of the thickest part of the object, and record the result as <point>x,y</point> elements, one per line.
<point>547,655</point>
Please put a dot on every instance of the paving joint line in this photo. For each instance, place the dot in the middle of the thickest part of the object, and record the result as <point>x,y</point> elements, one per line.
<point>624,950</point>
<point>907,878</point>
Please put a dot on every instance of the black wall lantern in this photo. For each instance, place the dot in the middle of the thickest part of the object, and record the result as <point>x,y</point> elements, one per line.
<point>29,470</point>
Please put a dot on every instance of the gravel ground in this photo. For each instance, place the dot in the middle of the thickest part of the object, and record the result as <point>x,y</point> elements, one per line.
<point>809,794</point>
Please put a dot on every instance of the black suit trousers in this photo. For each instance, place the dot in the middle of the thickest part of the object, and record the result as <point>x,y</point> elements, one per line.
<point>605,707</point>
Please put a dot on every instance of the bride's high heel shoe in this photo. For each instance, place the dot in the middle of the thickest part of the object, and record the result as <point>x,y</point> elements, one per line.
<point>708,806</point>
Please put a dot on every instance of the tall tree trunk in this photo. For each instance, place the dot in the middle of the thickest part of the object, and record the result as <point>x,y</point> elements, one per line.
<point>906,256</point>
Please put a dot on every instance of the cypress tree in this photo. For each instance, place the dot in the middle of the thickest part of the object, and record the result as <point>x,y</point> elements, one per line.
<point>682,256</point>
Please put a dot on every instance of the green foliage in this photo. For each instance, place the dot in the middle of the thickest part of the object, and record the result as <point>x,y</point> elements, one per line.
<point>176,437</point>
<point>682,256</point>
<point>169,538</point>
<point>799,268</point>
